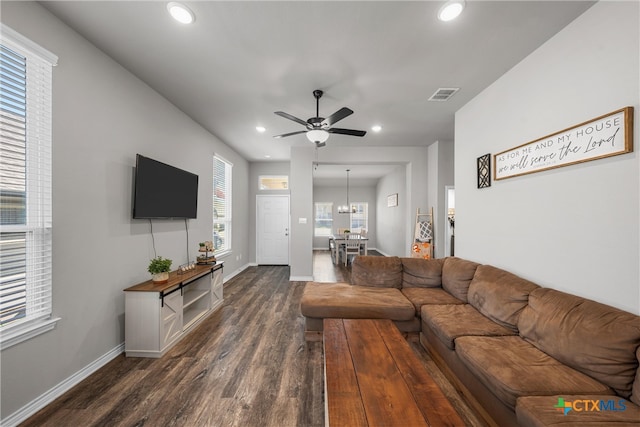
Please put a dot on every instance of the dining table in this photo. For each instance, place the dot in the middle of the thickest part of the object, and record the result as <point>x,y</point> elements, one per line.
<point>339,239</point>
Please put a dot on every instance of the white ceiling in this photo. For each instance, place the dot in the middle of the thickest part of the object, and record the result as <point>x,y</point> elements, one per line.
<point>241,61</point>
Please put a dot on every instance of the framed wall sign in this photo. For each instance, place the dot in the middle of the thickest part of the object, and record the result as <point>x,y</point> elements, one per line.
<point>604,136</point>
<point>392,200</point>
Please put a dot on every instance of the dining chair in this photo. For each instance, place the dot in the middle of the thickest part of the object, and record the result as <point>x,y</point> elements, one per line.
<point>334,250</point>
<point>351,246</point>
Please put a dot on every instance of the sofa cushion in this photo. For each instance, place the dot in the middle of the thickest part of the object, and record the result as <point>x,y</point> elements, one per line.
<point>342,300</point>
<point>421,273</point>
<point>422,296</point>
<point>594,338</point>
<point>456,276</point>
<point>377,271</point>
<point>538,411</point>
<point>449,322</point>
<point>499,295</point>
<point>511,367</point>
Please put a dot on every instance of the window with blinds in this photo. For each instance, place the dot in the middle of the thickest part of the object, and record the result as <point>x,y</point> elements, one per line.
<point>360,218</point>
<point>323,224</point>
<point>25,188</point>
<point>221,205</point>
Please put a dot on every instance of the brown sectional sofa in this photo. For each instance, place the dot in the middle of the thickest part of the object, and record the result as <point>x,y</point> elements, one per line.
<point>521,354</point>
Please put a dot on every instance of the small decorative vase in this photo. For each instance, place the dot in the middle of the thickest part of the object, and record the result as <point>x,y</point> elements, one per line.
<point>160,277</point>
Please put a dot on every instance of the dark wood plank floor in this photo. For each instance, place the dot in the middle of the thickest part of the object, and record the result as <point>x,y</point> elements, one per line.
<point>246,365</point>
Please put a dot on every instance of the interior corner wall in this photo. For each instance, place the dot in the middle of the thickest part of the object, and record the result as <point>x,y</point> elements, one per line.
<point>102,117</point>
<point>391,222</point>
<point>575,228</point>
<point>440,170</point>
<point>301,186</point>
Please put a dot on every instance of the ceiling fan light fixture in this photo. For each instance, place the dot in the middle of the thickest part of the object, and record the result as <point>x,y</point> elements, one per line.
<point>376,128</point>
<point>317,135</point>
<point>180,13</point>
<point>451,10</point>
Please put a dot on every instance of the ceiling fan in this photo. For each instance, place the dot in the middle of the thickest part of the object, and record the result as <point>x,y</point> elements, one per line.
<point>319,128</point>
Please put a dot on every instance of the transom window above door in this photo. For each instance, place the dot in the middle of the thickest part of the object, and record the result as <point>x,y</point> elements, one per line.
<point>273,182</point>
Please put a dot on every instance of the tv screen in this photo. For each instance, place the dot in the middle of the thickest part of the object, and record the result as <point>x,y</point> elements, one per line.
<point>163,191</point>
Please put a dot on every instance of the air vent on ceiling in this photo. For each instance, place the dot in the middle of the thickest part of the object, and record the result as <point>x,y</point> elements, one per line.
<point>444,93</point>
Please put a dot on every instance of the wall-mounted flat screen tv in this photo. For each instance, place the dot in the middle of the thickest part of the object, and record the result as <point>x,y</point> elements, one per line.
<point>163,191</point>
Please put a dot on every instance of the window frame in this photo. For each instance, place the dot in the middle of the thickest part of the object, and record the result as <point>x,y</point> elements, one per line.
<point>329,209</point>
<point>358,205</point>
<point>37,227</point>
<point>227,222</point>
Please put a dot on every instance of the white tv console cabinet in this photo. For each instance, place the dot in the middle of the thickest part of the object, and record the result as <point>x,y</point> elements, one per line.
<point>158,315</point>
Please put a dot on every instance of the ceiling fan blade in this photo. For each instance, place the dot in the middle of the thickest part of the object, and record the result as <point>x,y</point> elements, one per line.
<point>351,132</point>
<point>289,134</point>
<point>290,117</point>
<point>337,116</point>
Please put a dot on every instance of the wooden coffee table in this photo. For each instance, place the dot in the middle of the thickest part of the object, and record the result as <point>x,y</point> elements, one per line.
<point>373,378</point>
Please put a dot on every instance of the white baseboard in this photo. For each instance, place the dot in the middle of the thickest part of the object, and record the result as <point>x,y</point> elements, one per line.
<point>49,396</point>
<point>300,278</point>
<point>238,271</point>
<point>383,253</point>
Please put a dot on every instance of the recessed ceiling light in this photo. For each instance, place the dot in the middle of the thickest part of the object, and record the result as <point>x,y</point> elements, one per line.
<point>181,13</point>
<point>450,10</point>
<point>376,128</point>
<point>267,156</point>
<point>261,129</point>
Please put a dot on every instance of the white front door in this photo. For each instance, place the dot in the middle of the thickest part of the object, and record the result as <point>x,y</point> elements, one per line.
<point>272,227</point>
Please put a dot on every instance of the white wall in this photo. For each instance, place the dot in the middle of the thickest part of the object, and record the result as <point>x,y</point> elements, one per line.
<point>574,228</point>
<point>337,196</point>
<point>102,117</point>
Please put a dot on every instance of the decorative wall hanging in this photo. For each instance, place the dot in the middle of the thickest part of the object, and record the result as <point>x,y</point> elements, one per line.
<point>392,200</point>
<point>604,136</point>
<point>484,171</point>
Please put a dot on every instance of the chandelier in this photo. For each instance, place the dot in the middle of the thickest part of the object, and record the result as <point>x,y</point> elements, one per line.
<point>347,208</point>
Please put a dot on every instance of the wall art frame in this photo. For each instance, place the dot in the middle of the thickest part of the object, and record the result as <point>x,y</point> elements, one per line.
<point>605,136</point>
<point>484,171</point>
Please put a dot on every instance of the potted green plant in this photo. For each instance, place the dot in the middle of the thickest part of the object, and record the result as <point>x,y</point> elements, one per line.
<point>159,268</point>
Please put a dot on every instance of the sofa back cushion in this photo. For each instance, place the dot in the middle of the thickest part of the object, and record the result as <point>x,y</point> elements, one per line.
<point>421,273</point>
<point>456,276</point>
<point>499,295</point>
<point>593,338</point>
<point>377,271</point>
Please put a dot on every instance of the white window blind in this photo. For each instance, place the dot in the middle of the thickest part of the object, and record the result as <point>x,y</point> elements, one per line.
<point>25,188</point>
<point>323,224</point>
<point>222,218</point>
